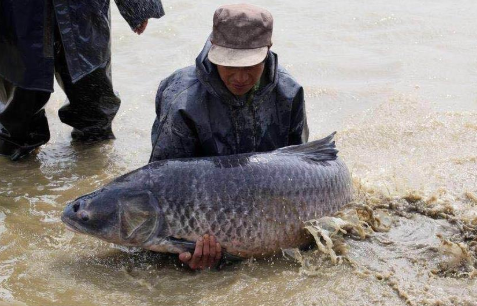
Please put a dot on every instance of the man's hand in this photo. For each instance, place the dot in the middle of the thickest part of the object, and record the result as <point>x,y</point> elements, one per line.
<point>206,255</point>
<point>141,28</point>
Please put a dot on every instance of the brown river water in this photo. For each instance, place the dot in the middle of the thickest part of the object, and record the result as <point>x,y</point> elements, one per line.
<point>396,79</point>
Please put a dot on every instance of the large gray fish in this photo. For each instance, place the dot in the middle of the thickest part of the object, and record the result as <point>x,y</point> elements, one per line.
<point>254,204</point>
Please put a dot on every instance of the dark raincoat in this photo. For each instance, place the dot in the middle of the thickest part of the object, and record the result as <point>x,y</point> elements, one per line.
<point>27,28</point>
<point>198,116</point>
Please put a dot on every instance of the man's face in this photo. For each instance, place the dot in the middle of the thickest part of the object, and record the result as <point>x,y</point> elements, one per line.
<point>239,80</point>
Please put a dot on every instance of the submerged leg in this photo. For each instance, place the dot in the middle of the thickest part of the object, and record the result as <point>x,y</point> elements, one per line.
<point>91,102</point>
<point>23,124</point>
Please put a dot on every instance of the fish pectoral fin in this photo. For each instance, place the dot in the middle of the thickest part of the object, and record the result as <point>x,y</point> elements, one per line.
<point>228,259</point>
<point>187,246</point>
<point>231,258</point>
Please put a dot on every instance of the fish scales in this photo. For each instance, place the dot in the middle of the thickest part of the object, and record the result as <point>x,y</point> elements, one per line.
<point>254,204</point>
<point>251,209</point>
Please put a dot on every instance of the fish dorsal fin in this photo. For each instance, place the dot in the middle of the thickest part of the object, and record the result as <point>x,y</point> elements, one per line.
<point>318,150</point>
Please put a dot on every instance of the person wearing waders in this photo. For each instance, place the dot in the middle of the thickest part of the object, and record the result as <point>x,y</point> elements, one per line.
<point>235,99</point>
<point>71,40</point>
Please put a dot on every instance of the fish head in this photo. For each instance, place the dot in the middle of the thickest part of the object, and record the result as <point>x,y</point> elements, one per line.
<point>122,216</point>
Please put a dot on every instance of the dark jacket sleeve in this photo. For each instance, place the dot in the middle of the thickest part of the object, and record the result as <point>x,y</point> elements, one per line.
<point>137,11</point>
<point>173,135</point>
<point>298,128</point>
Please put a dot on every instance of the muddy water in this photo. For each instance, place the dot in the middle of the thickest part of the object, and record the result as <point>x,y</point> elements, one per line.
<point>396,79</point>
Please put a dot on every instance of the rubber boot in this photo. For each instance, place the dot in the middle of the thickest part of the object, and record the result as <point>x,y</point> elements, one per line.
<point>23,123</point>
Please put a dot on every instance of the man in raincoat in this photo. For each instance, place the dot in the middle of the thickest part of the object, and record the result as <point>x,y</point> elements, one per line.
<point>236,99</point>
<point>68,39</point>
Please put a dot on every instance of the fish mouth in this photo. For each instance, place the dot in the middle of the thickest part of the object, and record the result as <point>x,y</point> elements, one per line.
<point>72,226</point>
<point>72,229</point>
<point>78,229</point>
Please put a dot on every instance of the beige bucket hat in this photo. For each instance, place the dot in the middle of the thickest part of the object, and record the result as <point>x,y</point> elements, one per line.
<point>241,35</point>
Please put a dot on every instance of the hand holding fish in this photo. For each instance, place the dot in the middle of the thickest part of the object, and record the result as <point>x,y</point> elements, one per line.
<point>207,254</point>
